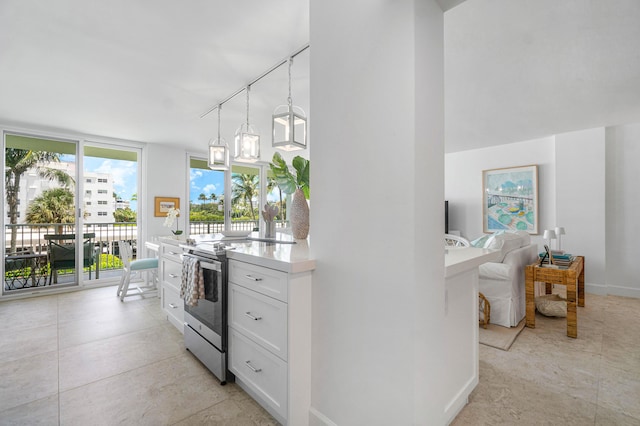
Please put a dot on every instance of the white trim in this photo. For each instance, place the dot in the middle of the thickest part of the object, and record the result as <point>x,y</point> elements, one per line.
<point>316,418</point>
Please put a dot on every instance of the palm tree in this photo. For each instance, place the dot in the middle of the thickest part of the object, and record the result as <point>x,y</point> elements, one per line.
<point>17,162</point>
<point>212,197</point>
<point>52,206</point>
<point>245,187</point>
<point>202,198</point>
<point>271,184</point>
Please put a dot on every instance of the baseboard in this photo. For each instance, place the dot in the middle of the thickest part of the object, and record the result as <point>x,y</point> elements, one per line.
<point>316,418</point>
<point>598,289</point>
<point>612,290</point>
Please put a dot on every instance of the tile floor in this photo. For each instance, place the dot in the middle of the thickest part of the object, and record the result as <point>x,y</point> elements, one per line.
<point>85,358</point>
<point>547,378</point>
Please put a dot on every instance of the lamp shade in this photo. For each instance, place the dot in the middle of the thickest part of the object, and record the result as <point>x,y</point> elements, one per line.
<point>247,144</point>
<point>289,128</point>
<point>560,230</point>
<point>549,234</point>
<point>218,155</point>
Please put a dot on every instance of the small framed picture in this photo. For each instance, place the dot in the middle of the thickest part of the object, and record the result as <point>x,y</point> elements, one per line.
<point>164,204</point>
<point>510,199</point>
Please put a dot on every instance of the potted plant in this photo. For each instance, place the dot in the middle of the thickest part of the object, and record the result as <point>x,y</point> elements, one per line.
<point>298,185</point>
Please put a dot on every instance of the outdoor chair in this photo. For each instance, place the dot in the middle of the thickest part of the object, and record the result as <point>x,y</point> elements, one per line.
<point>130,266</point>
<point>62,255</point>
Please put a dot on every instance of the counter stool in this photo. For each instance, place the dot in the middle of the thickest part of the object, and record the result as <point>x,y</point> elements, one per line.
<point>139,265</point>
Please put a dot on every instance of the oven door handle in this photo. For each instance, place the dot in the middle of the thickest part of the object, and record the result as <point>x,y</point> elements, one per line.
<point>204,264</point>
<point>207,265</point>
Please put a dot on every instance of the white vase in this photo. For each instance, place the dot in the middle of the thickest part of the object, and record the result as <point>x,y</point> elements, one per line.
<point>299,215</point>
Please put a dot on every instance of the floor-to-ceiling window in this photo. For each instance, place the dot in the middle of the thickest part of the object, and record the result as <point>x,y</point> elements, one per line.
<point>248,183</point>
<point>206,198</point>
<point>66,203</point>
<point>245,197</point>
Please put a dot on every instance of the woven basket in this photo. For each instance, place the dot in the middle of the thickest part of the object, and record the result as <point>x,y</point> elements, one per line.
<point>551,305</point>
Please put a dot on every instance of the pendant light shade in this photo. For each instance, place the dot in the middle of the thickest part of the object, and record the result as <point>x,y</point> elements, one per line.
<point>218,150</point>
<point>289,124</point>
<point>247,140</point>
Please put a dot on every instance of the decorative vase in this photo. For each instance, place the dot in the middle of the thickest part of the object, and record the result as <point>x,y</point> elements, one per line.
<point>269,229</point>
<point>299,215</point>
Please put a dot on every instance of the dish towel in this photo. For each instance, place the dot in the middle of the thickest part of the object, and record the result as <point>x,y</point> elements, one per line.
<point>192,284</point>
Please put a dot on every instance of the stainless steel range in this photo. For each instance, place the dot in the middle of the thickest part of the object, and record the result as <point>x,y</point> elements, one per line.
<point>205,327</point>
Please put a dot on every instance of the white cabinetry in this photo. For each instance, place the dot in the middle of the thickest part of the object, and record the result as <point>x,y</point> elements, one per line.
<point>170,276</point>
<point>269,338</point>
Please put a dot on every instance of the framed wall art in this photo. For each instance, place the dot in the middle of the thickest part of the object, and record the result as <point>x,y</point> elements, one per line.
<point>510,199</point>
<point>163,204</point>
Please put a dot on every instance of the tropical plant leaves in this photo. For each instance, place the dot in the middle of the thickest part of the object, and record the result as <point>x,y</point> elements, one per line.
<point>287,182</point>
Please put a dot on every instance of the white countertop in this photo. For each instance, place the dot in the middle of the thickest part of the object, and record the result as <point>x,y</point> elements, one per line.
<point>461,259</point>
<point>290,258</point>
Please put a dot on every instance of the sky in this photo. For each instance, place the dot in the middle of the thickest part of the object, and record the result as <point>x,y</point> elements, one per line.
<point>124,174</point>
<point>205,182</point>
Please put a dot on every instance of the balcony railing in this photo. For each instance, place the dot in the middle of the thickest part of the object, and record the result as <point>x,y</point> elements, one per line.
<point>27,263</point>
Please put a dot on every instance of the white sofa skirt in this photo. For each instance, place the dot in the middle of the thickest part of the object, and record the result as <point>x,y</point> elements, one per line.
<point>503,285</point>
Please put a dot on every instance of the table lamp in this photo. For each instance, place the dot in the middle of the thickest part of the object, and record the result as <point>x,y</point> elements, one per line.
<point>560,232</point>
<point>549,234</point>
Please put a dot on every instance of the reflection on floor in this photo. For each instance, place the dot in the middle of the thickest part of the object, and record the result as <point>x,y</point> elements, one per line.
<point>87,358</point>
<point>547,378</point>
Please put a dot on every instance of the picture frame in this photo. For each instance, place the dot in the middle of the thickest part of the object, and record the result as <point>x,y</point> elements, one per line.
<point>163,204</point>
<point>510,199</point>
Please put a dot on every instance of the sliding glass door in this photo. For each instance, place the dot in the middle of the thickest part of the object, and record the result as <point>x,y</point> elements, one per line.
<point>64,212</point>
<point>40,213</point>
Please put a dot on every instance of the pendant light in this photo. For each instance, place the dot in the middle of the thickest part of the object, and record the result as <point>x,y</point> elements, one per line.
<point>247,140</point>
<point>218,150</point>
<point>289,124</point>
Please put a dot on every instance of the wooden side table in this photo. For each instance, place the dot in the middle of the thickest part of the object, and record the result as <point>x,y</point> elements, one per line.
<point>572,278</point>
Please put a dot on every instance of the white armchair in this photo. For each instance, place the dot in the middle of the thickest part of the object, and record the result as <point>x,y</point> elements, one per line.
<point>502,282</point>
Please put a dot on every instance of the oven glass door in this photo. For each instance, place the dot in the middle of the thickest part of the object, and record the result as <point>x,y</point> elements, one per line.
<point>209,310</point>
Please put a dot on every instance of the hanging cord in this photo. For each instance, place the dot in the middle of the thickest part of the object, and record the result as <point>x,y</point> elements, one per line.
<point>219,110</point>
<point>248,90</point>
<point>289,98</point>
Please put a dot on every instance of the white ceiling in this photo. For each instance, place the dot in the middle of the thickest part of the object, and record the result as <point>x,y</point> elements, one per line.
<point>147,70</point>
<point>521,69</point>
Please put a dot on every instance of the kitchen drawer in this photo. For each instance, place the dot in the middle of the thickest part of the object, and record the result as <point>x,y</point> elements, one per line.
<point>264,373</point>
<point>173,305</point>
<point>261,318</point>
<point>263,280</point>
<point>172,273</point>
<point>170,251</point>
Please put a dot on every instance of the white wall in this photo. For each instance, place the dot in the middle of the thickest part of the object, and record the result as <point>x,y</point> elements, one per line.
<point>622,207</point>
<point>166,176</point>
<point>580,202</point>
<point>463,182</point>
<point>587,184</point>
<point>378,293</point>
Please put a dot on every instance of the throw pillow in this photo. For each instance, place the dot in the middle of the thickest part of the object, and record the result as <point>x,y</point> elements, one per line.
<point>480,242</point>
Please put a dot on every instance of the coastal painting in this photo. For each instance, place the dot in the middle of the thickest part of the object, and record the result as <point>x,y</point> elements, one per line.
<point>510,199</point>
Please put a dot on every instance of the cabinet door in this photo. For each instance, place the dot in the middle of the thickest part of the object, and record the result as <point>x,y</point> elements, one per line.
<point>261,318</point>
<point>260,370</point>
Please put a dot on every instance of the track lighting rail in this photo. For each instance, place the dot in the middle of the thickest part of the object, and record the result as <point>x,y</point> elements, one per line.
<point>255,80</point>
